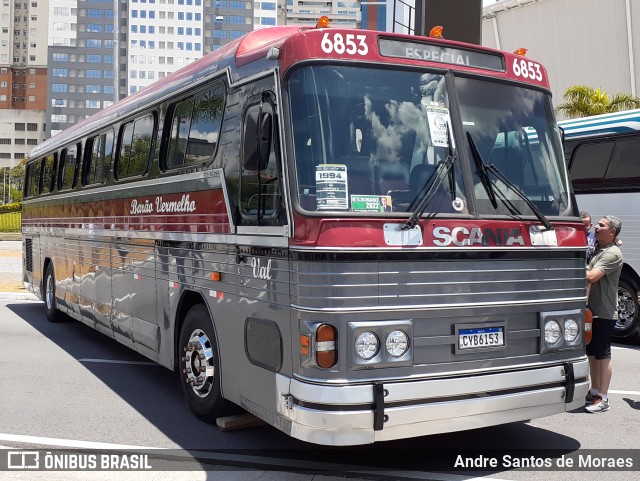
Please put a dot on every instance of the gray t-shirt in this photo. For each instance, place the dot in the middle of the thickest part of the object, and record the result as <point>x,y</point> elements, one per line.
<point>603,296</point>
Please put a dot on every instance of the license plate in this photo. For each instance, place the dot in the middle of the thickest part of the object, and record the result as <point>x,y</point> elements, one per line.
<point>480,338</point>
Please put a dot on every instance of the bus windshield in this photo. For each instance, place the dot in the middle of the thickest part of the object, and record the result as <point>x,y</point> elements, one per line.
<point>514,129</point>
<point>369,140</point>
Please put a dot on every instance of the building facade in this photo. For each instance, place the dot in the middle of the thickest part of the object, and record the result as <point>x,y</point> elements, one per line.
<point>23,77</point>
<point>341,13</point>
<point>100,51</point>
<point>580,42</point>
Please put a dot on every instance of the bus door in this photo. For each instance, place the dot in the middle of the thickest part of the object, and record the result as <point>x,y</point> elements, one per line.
<point>262,260</point>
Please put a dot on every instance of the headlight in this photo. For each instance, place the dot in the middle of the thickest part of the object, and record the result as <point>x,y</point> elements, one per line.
<point>367,345</point>
<point>552,332</point>
<point>571,330</point>
<point>397,343</point>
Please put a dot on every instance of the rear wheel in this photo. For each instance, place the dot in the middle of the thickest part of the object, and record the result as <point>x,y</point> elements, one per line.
<point>50,303</point>
<point>627,327</point>
<point>200,366</point>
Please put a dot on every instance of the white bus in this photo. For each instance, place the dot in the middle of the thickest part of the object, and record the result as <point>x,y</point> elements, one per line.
<point>603,156</point>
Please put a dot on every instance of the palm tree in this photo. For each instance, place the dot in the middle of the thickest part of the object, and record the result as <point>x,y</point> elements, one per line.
<point>583,101</point>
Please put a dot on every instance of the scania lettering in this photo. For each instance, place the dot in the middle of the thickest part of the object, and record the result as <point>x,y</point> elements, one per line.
<point>350,242</point>
<point>463,236</point>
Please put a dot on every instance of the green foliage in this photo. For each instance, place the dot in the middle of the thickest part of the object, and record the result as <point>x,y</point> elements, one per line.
<point>15,207</point>
<point>583,101</point>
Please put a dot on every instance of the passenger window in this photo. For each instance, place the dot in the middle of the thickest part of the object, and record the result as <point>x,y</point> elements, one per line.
<point>99,159</point>
<point>195,127</point>
<point>32,187</point>
<point>48,173</point>
<point>68,168</point>
<point>136,144</point>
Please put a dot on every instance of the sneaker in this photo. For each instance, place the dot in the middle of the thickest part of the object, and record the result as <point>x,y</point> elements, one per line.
<point>590,397</point>
<point>598,405</point>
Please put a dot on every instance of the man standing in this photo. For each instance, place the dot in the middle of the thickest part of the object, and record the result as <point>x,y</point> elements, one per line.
<point>603,273</point>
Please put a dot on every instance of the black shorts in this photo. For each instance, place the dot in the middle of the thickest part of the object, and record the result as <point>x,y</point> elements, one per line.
<point>600,345</point>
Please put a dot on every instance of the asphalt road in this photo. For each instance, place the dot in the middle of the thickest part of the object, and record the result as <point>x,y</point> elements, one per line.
<point>66,385</point>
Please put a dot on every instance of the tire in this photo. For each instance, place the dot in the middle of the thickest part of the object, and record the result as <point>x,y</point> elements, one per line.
<point>627,327</point>
<point>49,295</point>
<point>199,366</point>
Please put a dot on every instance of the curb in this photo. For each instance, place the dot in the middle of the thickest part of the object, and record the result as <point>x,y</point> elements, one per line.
<point>4,236</point>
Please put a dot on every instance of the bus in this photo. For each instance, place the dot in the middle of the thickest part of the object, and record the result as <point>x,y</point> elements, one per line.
<point>353,235</point>
<point>602,154</point>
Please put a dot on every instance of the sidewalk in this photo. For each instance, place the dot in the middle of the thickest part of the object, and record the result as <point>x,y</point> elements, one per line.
<point>11,269</point>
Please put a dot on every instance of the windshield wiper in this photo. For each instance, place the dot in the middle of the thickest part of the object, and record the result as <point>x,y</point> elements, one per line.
<point>430,186</point>
<point>483,170</point>
<point>452,172</point>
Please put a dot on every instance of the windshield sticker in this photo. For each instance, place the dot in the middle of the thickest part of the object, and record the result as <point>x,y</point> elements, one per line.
<point>331,187</point>
<point>371,203</point>
<point>439,120</point>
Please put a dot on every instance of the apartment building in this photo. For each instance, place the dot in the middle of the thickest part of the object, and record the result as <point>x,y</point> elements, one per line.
<point>165,36</point>
<point>23,50</point>
<point>341,14</point>
<point>63,60</point>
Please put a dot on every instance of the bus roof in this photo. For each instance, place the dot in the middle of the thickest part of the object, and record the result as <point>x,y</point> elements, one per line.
<point>283,46</point>
<point>605,124</point>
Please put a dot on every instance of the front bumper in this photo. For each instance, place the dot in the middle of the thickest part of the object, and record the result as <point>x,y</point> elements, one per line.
<point>366,413</point>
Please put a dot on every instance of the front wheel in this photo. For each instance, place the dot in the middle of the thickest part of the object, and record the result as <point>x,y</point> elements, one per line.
<point>50,303</point>
<point>627,327</point>
<point>200,366</point>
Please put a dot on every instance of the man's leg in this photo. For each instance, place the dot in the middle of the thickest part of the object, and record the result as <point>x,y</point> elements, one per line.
<point>605,371</point>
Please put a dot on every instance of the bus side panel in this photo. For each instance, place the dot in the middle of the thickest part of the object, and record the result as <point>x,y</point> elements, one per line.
<point>102,301</point>
<point>85,281</point>
<point>258,327</point>
<point>144,321</point>
<point>63,252</point>
<point>122,289</point>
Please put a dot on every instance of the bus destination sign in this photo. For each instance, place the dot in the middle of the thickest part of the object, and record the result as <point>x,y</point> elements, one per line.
<point>440,54</point>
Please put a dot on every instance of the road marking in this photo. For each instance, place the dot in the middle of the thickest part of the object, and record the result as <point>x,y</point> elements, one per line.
<point>254,462</point>
<point>67,443</point>
<point>630,393</point>
<point>116,361</point>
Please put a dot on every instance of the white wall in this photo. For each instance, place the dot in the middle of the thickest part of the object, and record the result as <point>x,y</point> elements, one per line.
<point>580,42</point>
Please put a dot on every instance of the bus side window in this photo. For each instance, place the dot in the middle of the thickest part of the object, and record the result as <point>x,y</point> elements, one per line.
<point>260,192</point>
<point>624,160</point>
<point>48,173</point>
<point>98,158</point>
<point>195,127</point>
<point>68,167</point>
<point>32,183</point>
<point>136,142</point>
<point>589,164</point>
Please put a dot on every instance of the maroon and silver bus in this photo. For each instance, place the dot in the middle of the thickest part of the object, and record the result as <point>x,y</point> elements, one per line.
<point>354,235</point>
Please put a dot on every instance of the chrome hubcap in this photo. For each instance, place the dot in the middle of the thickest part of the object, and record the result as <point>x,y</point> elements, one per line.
<point>626,309</point>
<point>49,293</point>
<point>198,366</point>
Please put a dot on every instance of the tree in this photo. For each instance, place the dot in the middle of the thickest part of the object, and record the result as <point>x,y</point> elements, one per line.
<point>583,101</point>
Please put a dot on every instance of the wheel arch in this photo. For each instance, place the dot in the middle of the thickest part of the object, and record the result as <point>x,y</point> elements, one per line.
<point>188,299</point>
<point>45,266</point>
<point>630,273</point>
<point>631,333</point>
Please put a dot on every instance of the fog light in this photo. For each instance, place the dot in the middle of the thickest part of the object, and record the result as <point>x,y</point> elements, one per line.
<point>552,332</point>
<point>571,330</point>
<point>367,345</point>
<point>397,343</point>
